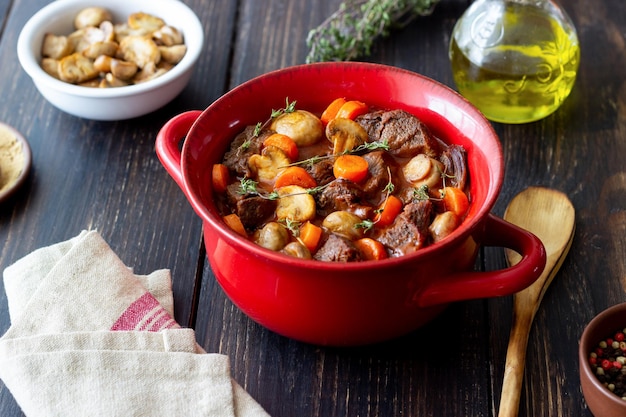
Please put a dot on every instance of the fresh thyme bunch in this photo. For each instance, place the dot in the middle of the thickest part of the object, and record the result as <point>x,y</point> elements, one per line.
<point>350,32</point>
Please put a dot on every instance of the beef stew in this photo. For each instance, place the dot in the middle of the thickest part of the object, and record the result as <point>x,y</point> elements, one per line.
<point>362,184</point>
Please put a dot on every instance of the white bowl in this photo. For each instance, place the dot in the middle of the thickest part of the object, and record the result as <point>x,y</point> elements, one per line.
<point>116,103</point>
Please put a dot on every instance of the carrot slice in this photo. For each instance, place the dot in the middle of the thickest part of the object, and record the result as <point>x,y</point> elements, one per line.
<point>388,211</point>
<point>351,167</point>
<point>352,109</point>
<point>372,250</point>
<point>295,175</point>
<point>331,111</point>
<point>455,200</point>
<point>284,143</point>
<point>220,177</point>
<point>234,222</point>
<point>310,235</point>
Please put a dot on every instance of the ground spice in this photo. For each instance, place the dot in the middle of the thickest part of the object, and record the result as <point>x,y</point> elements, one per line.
<point>11,158</point>
<point>608,362</point>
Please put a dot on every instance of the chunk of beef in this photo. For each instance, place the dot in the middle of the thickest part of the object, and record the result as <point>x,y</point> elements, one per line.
<point>455,165</point>
<point>342,194</point>
<point>406,135</point>
<point>321,171</point>
<point>409,232</point>
<point>242,147</point>
<point>338,249</point>
<point>252,209</point>
<point>378,177</point>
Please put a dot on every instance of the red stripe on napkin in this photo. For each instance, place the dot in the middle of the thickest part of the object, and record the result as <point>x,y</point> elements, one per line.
<point>145,313</point>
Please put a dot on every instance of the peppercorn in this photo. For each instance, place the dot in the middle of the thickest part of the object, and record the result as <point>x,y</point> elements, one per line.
<point>608,361</point>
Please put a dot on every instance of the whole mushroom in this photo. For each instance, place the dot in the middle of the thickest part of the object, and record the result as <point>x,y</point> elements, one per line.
<point>91,16</point>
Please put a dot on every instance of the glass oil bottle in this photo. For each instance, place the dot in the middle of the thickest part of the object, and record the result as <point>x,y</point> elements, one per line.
<point>515,60</point>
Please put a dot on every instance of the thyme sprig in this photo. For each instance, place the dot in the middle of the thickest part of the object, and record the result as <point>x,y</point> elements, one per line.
<point>290,107</point>
<point>249,186</point>
<point>366,224</point>
<point>292,225</point>
<point>351,31</point>
<point>421,193</point>
<point>365,147</point>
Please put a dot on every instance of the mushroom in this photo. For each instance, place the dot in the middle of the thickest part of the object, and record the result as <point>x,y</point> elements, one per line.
<point>76,68</point>
<point>302,126</point>
<point>272,236</point>
<point>168,36</point>
<point>97,49</point>
<point>443,224</point>
<point>172,54</point>
<point>56,47</point>
<point>147,73</point>
<point>145,21</point>
<point>91,16</point>
<point>139,49</point>
<point>297,250</point>
<point>345,224</point>
<point>102,63</point>
<point>345,134</point>
<point>109,32</point>
<point>111,80</point>
<point>122,30</point>
<point>93,83</point>
<point>51,66</point>
<point>423,170</point>
<point>123,70</point>
<point>295,204</point>
<point>269,164</point>
<point>81,39</point>
<point>164,67</point>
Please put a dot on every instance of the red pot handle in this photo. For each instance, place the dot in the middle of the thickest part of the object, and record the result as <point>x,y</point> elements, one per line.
<point>168,143</point>
<point>473,285</point>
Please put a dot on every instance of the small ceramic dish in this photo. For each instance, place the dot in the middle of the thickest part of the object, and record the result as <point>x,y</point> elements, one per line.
<point>15,161</point>
<point>115,103</point>
<point>600,400</point>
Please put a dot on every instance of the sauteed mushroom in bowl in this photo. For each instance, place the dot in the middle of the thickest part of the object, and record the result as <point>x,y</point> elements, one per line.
<point>111,59</point>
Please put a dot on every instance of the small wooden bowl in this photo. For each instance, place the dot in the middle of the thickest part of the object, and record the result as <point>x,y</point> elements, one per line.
<point>600,400</point>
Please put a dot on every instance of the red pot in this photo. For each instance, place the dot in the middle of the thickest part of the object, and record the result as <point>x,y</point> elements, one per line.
<point>356,303</point>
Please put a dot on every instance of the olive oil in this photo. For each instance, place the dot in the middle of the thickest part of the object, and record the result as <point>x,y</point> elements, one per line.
<point>516,61</point>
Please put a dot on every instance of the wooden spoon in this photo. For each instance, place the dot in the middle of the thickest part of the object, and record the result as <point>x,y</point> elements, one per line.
<point>550,216</point>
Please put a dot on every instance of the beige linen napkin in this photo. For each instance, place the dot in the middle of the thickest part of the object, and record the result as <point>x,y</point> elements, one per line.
<point>90,338</point>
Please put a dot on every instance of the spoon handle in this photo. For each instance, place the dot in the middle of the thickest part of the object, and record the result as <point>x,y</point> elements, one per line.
<point>515,361</point>
<point>525,306</point>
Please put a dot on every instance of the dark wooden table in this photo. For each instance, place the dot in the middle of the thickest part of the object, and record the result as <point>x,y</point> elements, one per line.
<point>106,176</point>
